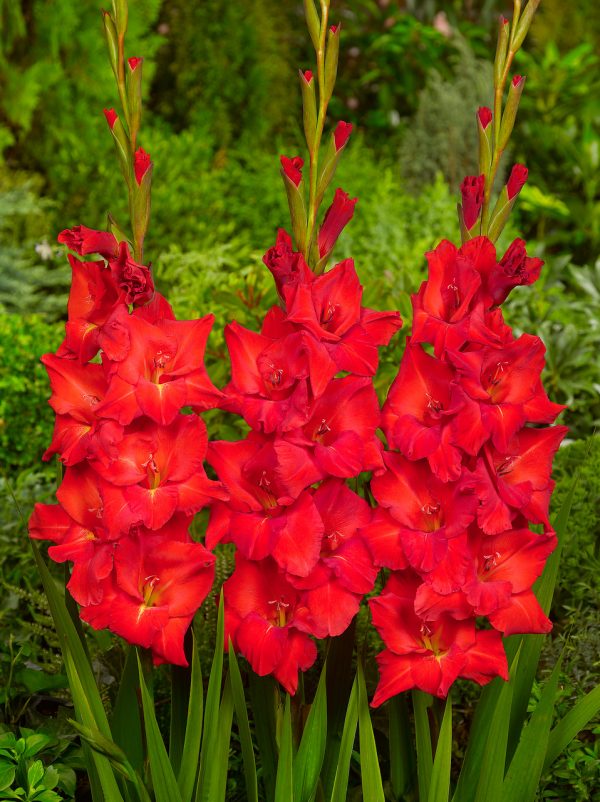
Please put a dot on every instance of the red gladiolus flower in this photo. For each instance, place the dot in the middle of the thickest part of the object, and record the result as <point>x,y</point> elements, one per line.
<point>155,369</point>
<point>157,585</point>
<point>516,180</point>
<point>85,240</point>
<point>418,409</point>
<point>261,608</point>
<point>426,655</point>
<point>336,219</point>
<point>292,168</point>
<point>501,391</point>
<point>472,189</point>
<point>134,280</point>
<point>141,164</point>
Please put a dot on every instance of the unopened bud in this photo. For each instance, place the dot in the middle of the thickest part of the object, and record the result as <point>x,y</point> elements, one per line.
<point>292,177</point>
<point>516,180</point>
<point>524,24</point>
<point>309,106</point>
<point>120,14</point>
<point>111,117</point>
<point>341,135</point>
<point>472,191</point>
<point>484,130</point>
<point>515,91</point>
<point>292,169</point>
<point>331,59</point>
<point>312,21</point>
<point>134,96</point>
<point>501,50</point>
<point>112,42</point>
<point>506,201</point>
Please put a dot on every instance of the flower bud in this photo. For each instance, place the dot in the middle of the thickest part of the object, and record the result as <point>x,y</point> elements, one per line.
<point>121,141</point>
<point>472,191</point>
<point>331,59</point>
<point>336,218</point>
<point>134,96</point>
<point>120,13</point>
<point>501,48</point>
<point>292,169</point>
<point>142,169</point>
<point>112,41</point>
<point>291,172</point>
<point>341,135</point>
<point>309,105</point>
<point>484,129</point>
<point>312,22</point>
<point>516,180</point>
<point>524,23</point>
<point>515,91</point>
<point>506,201</point>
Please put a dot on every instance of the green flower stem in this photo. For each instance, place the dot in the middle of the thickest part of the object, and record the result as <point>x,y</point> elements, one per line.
<point>314,150</point>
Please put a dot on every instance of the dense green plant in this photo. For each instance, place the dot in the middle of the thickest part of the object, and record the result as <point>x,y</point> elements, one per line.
<point>442,137</point>
<point>31,769</point>
<point>561,127</point>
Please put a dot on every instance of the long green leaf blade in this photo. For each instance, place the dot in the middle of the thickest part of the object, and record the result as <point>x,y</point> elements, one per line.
<point>219,753</point>
<point>284,783</point>
<point>369,761</point>
<point>262,698</point>
<point>402,756</point>
<point>309,758</point>
<point>163,777</point>
<point>340,785</point>
<point>439,788</point>
<point>525,770</point>
<point>126,722</point>
<point>421,702</point>
<point>188,771</point>
<point>241,714</point>
<point>181,681</point>
<point>572,723</point>
<point>491,767</point>
<point>532,644</point>
<point>211,713</point>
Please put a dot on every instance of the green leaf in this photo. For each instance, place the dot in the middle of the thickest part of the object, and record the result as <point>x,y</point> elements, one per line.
<point>126,722</point>
<point>211,715</point>
<point>219,753</point>
<point>284,787</point>
<point>35,773</point>
<point>340,785</point>
<point>524,772</point>
<point>241,714</point>
<point>7,775</point>
<point>493,758</point>
<point>180,700</point>
<point>421,701</point>
<point>572,723</point>
<point>262,698</point>
<point>439,788</point>
<point>163,778</point>
<point>402,757</point>
<point>86,697</point>
<point>188,771</point>
<point>309,758</point>
<point>369,761</point>
<point>531,645</point>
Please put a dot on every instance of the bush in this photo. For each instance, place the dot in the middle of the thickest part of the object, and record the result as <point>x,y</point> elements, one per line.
<point>26,420</point>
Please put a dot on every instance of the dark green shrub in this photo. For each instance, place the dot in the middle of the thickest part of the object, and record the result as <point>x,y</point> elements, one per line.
<point>26,420</point>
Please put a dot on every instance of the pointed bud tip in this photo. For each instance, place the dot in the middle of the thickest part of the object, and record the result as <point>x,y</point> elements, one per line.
<point>334,28</point>
<point>307,75</point>
<point>518,80</point>
<point>485,116</point>
<point>134,63</point>
<point>516,180</point>
<point>341,134</point>
<point>141,164</point>
<point>292,168</point>
<point>111,117</point>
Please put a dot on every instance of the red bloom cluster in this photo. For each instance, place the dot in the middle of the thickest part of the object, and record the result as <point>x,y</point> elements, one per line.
<point>303,564</point>
<point>133,462</point>
<point>468,477</point>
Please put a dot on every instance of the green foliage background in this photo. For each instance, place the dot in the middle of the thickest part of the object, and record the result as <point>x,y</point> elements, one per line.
<point>221,104</point>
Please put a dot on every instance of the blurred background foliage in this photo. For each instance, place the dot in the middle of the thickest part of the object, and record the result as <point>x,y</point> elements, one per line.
<point>221,104</point>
